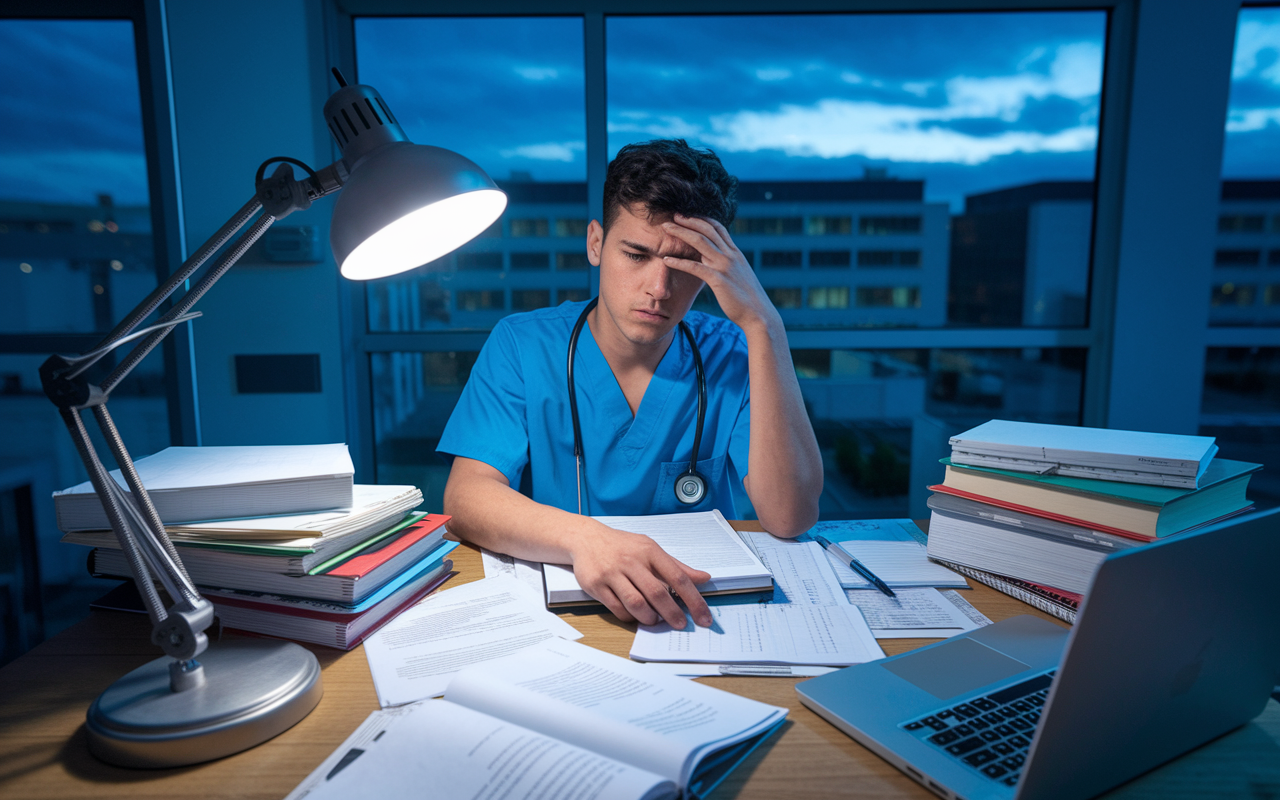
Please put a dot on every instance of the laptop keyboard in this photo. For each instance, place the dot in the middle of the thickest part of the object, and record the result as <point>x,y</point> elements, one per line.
<point>991,734</point>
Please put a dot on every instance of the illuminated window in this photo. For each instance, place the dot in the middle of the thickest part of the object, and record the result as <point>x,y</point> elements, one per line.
<point>768,226</point>
<point>571,227</point>
<point>1232,294</point>
<point>479,300</point>
<point>888,296</point>
<point>828,297</point>
<point>827,226</point>
<point>529,227</point>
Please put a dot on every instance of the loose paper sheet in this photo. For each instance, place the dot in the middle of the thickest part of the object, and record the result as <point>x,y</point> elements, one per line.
<point>764,634</point>
<point>415,655</point>
<point>912,614</point>
<point>527,572</point>
<point>896,563</point>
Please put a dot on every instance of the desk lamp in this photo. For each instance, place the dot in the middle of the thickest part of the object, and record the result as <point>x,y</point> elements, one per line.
<point>404,205</point>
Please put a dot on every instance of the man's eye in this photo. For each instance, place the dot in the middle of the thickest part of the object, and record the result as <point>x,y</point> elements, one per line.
<point>635,257</point>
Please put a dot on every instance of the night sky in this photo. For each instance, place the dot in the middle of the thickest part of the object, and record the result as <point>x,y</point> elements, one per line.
<point>967,102</point>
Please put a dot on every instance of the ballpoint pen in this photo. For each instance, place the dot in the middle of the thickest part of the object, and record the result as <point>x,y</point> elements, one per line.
<point>856,565</point>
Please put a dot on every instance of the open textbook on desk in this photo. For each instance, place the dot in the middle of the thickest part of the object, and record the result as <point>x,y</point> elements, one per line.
<point>703,540</point>
<point>555,720</point>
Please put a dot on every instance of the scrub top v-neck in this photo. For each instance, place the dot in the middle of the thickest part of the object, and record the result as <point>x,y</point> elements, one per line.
<point>514,415</point>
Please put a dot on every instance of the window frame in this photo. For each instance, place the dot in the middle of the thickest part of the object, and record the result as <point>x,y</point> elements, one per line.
<point>1109,383</point>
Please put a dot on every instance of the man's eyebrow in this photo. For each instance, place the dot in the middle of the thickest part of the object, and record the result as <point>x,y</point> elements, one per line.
<point>686,252</point>
<point>639,247</point>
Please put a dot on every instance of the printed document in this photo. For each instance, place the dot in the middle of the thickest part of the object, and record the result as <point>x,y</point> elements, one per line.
<point>555,720</point>
<point>899,564</point>
<point>911,614</point>
<point>801,573</point>
<point>835,636</point>
<point>415,655</point>
<point>527,572</point>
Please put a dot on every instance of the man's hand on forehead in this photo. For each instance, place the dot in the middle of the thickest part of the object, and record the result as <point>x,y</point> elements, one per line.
<point>722,266</point>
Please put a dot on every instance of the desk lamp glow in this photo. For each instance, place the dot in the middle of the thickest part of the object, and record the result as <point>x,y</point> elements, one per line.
<point>404,205</point>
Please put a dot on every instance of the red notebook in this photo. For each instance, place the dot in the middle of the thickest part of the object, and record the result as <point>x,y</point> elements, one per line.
<point>365,563</point>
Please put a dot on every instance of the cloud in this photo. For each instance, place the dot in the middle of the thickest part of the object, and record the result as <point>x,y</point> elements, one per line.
<point>838,128</point>
<point>546,151</point>
<point>537,73</point>
<point>1076,73</point>
<point>918,88</point>
<point>1258,45</point>
<point>75,176</point>
<point>1251,119</point>
<point>773,74</point>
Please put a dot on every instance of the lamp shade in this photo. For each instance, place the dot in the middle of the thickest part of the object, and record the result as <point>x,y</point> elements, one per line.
<point>405,205</point>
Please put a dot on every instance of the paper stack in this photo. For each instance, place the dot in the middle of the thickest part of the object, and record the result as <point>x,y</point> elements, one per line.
<point>1033,509</point>
<point>318,574</point>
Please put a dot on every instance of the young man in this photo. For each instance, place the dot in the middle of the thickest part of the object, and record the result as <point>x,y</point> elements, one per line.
<point>664,235</point>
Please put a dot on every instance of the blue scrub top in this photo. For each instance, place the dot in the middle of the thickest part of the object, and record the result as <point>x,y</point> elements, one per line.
<point>514,413</point>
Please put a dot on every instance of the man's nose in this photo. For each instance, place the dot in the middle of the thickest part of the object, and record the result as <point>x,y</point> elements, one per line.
<point>660,280</point>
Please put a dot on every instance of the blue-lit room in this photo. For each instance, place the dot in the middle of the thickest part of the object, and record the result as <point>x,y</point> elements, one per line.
<point>1063,213</point>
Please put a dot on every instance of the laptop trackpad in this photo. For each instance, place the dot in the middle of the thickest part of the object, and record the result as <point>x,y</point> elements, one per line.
<point>954,668</point>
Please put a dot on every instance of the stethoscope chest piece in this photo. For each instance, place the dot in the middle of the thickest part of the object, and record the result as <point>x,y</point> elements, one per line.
<point>691,488</point>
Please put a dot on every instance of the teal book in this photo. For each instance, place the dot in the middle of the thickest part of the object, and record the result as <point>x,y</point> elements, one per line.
<point>1126,509</point>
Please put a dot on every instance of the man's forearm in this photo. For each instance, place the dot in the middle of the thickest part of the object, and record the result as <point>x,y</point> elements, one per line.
<point>785,471</point>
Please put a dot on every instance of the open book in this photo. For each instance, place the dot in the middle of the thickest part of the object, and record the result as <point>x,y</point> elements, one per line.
<point>703,540</point>
<point>556,720</point>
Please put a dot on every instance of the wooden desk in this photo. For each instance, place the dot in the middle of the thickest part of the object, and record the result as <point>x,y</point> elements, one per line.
<point>45,693</point>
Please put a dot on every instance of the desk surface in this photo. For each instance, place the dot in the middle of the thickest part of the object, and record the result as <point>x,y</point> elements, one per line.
<point>45,693</point>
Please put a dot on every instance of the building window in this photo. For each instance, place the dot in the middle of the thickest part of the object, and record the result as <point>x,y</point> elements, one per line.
<point>829,258</point>
<point>888,297</point>
<point>479,261</point>
<point>1237,258</point>
<point>1241,223</point>
<point>1271,294</point>
<point>529,299</point>
<point>1273,258</point>
<point>781,259</point>
<point>767,226</point>
<point>888,258</point>
<point>571,261</point>
<point>828,297</point>
<point>530,260</point>
<point>529,227</point>
<point>750,256</point>
<point>788,297</point>
<point>830,226</point>
<point>571,227</point>
<point>1232,294</point>
<point>571,295</point>
<point>888,226</point>
<point>479,300</point>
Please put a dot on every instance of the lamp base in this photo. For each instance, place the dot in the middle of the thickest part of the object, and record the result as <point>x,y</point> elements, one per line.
<point>254,690</point>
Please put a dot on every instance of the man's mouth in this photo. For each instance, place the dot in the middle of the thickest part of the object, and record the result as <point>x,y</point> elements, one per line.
<point>650,314</point>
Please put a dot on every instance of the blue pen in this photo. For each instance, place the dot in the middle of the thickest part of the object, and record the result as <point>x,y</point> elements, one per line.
<point>857,565</point>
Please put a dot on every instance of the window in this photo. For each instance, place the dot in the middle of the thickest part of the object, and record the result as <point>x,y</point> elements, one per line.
<point>786,259</point>
<point>572,261</point>
<point>571,227</point>
<point>888,226</point>
<point>1237,258</point>
<point>1271,294</point>
<point>829,258</point>
<point>784,297</point>
<point>1273,257</point>
<point>888,258</point>
<point>530,260</point>
<point>829,297</point>
<point>529,227</point>
<point>830,226</point>
<point>767,226</point>
<point>1241,223</point>
<point>571,295</point>
<point>530,299</point>
<point>888,297</point>
<point>479,300</point>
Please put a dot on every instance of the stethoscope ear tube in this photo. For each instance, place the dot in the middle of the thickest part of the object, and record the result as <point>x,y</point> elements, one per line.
<point>690,486</point>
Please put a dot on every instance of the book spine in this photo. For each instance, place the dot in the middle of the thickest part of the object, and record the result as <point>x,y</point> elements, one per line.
<point>1062,612</point>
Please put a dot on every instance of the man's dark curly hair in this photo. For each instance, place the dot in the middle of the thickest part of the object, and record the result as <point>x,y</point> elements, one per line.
<point>667,177</point>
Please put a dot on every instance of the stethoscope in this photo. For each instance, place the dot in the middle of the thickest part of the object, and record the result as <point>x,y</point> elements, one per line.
<point>690,487</point>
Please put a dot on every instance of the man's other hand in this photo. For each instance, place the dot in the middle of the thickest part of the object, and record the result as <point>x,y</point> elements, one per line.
<point>637,580</point>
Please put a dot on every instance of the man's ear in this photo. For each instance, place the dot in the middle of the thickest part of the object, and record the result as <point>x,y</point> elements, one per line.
<point>595,242</point>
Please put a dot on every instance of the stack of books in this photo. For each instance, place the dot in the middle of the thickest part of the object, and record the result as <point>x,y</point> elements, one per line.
<point>329,575</point>
<point>1033,509</point>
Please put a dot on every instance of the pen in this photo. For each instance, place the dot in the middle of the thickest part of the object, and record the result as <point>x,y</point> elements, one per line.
<point>857,565</point>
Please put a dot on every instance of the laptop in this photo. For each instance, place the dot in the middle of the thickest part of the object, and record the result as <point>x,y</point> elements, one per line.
<point>1176,643</point>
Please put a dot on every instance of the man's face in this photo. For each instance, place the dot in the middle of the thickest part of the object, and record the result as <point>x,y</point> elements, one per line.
<point>643,299</point>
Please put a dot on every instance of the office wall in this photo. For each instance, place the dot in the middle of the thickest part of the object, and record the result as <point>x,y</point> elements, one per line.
<point>248,80</point>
